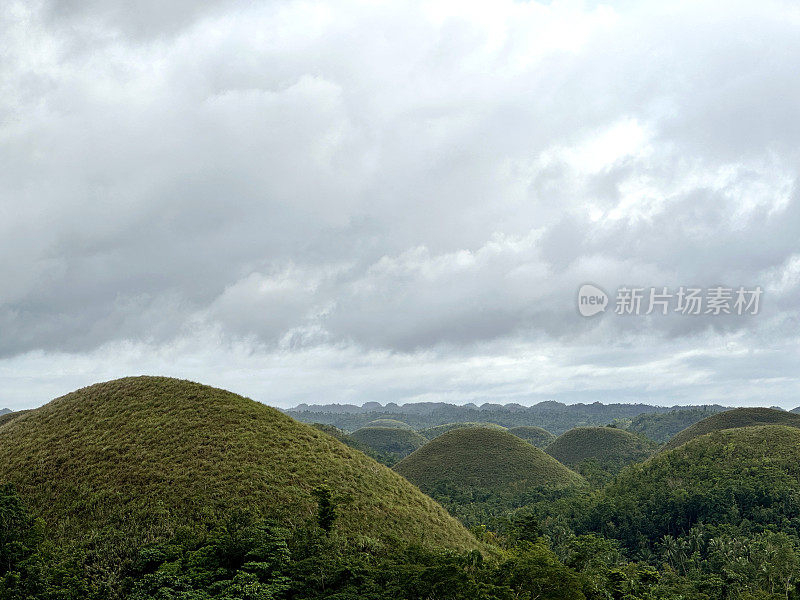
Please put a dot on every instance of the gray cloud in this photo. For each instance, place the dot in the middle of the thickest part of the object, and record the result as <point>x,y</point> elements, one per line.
<point>430,181</point>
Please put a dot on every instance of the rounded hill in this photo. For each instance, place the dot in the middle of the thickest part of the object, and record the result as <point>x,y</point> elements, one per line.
<point>612,448</point>
<point>389,423</point>
<point>533,435</point>
<point>437,430</point>
<point>484,458</point>
<point>733,419</point>
<point>389,440</point>
<point>348,440</point>
<point>732,477</point>
<point>145,456</point>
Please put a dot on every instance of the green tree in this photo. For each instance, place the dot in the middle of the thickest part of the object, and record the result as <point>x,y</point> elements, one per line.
<point>326,511</point>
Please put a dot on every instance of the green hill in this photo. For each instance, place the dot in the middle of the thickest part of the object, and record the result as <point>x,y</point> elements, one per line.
<point>121,463</point>
<point>609,447</point>
<point>391,441</point>
<point>660,427</point>
<point>730,419</point>
<point>533,435</point>
<point>483,458</point>
<point>388,423</point>
<point>746,478</point>
<point>348,440</point>
<point>437,430</point>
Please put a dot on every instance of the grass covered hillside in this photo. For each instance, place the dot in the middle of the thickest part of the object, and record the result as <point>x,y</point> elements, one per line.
<point>661,427</point>
<point>437,430</point>
<point>603,444</point>
<point>598,453</point>
<point>129,461</point>
<point>746,480</point>
<point>730,419</point>
<point>391,441</point>
<point>348,440</point>
<point>533,435</point>
<point>483,458</point>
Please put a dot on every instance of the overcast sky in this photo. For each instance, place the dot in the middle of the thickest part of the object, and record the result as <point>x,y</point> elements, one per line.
<point>347,202</point>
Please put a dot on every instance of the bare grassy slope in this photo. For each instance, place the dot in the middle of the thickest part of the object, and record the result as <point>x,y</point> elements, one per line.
<point>143,456</point>
<point>485,458</point>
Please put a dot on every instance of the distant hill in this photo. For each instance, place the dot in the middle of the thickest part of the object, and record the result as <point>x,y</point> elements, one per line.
<point>389,423</point>
<point>738,417</point>
<point>552,416</point>
<point>433,432</point>
<point>533,435</point>
<point>390,441</point>
<point>747,477</point>
<point>609,447</point>
<point>348,440</point>
<point>4,411</point>
<point>661,427</point>
<point>486,459</point>
<point>12,415</point>
<point>120,463</point>
<point>795,410</point>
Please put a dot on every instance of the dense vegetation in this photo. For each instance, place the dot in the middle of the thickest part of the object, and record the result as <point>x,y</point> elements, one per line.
<point>537,436</point>
<point>598,452</point>
<point>747,477</point>
<point>389,441</point>
<point>661,427</point>
<point>738,417</point>
<point>432,432</point>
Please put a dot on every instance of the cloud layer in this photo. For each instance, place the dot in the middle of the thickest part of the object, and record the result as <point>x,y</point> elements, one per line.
<point>310,201</point>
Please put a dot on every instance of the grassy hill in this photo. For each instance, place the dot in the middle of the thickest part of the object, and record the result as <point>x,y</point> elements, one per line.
<point>660,427</point>
<point>390,441</point>
<point>533,435</point>
<point>730,419</point>
<point>609,447</point>
<point>348,440</point>
<point>433,432</point>
<point>483,458</point>
<point>741,478</point>
<point>388,423</point>
<point>129,461</point>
